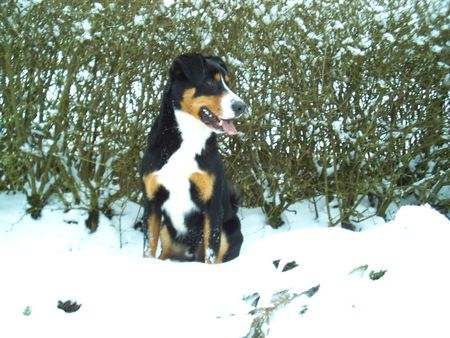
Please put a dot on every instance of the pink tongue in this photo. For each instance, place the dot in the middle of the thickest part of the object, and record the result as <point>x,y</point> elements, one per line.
<point>228,127</point>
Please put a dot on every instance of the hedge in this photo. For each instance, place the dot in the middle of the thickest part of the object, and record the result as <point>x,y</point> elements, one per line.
<point>348,100</point>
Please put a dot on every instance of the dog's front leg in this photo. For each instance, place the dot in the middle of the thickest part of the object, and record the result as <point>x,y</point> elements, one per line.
<point>153,225</point>
<point>205,184</point>
<point>152,213</point>
<point>211,239</point>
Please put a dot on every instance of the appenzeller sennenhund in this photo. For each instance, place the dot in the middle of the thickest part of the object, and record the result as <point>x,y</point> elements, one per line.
<point>188,205</point>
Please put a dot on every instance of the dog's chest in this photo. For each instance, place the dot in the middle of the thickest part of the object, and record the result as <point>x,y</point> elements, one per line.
<point>175,174</point>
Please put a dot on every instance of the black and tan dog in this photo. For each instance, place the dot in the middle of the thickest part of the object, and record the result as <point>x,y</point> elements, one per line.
<point>188,204</point>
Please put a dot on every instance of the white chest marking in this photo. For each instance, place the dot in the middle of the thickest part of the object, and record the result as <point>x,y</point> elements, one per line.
<point>174,175</point>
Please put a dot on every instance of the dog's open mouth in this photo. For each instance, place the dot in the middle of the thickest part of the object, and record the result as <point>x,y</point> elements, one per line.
<point>217,123</point>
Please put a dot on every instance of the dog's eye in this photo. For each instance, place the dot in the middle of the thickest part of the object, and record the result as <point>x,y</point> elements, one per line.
<point>210,82</point>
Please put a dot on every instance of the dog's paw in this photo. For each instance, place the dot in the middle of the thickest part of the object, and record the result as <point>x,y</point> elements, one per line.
<point>210,257</point>
<point>148,254</point>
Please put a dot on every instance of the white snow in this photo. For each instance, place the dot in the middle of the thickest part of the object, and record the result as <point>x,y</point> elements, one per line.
<point>139,20</point>
<point>168,3</point>
<point>389,37</point>
<point>355,51</point>
<point>85,28</point>
<point>97,8</point>
<point>122,294</point>
<point>365,42</point>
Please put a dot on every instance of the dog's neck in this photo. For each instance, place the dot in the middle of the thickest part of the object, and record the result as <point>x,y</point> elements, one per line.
<point>194,134</point>
<point>174,129</point>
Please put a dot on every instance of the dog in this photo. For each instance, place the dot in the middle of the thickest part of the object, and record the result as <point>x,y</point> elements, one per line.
<point>188,204</point>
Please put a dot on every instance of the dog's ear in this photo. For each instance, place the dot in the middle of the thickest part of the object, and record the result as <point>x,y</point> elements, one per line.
<point>190,66</point>
<point>219,61</point>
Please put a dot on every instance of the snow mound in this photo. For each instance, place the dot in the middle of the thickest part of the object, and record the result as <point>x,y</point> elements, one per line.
<point>302,280</point>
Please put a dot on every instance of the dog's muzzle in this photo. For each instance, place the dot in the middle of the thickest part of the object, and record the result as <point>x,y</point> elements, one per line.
<point>238,107</point>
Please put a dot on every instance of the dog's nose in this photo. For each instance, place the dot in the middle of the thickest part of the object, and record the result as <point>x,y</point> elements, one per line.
<point>238,107</point>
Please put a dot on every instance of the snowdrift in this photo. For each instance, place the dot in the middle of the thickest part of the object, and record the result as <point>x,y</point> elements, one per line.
<point>304,280</point>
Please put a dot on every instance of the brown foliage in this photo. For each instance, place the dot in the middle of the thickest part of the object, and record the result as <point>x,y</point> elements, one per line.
<point>345,101</point>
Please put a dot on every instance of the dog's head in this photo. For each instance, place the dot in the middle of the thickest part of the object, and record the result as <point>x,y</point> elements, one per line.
<point>199,86</point>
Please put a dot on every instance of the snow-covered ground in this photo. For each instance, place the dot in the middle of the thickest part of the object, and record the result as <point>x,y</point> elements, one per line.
<point>388,280</point>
